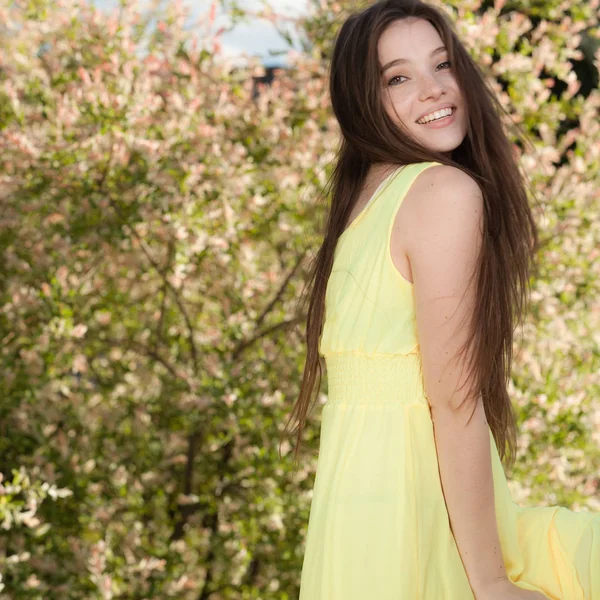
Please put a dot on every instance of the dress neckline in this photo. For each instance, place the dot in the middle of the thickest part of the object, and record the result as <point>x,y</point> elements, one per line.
<point>371,201</point>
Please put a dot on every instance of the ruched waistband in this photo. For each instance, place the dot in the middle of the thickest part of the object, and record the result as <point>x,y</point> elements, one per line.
<point>357,378</point>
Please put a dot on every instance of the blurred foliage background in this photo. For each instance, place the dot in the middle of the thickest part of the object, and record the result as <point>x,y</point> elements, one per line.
<point>158,212</point>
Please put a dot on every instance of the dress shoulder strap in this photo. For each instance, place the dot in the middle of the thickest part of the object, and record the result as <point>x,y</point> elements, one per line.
<point>397,191</point>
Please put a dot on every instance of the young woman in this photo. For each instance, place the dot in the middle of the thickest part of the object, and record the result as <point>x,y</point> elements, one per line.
<point>424,266</point>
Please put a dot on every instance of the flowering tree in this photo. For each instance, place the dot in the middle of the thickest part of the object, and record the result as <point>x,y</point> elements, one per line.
<point>156,224</point>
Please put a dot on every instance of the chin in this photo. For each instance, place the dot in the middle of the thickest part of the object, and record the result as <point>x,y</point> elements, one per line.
<point>450,143</point>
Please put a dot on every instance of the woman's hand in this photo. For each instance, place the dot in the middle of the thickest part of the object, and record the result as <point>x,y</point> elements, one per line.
<point>504,589</point>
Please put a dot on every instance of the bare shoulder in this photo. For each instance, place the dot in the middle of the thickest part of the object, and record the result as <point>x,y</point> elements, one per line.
<point>442,200</point>
<point>441,185</point>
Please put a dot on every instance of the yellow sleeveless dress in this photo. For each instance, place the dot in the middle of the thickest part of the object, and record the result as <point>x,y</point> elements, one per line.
<point>378,526</point>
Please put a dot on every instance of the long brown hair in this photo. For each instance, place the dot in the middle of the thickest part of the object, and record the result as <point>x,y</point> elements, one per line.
<point>510,241</point>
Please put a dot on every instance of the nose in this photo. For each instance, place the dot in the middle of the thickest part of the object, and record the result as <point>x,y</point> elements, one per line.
<point>430,87</point>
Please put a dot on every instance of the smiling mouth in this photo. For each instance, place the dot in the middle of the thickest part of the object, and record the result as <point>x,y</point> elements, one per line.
<point>441,114</point>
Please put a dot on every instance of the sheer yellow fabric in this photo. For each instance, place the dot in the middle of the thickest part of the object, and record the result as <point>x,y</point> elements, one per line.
<point>378,526</point>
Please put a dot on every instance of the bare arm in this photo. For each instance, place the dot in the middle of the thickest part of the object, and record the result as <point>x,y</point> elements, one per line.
<point>447,230</point>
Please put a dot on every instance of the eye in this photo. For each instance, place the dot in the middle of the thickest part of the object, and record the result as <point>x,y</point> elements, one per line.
<point>395,78</point>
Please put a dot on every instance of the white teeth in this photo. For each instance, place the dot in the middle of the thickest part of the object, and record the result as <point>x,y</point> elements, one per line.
<point>438,114</point>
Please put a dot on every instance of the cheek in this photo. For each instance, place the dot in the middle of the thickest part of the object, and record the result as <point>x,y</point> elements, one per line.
<point>400,106</point>
<point>453,85</point>
<point>388,105</point>
<point>393,112</point>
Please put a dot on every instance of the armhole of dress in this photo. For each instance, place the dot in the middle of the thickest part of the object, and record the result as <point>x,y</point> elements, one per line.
<point>407,184</point>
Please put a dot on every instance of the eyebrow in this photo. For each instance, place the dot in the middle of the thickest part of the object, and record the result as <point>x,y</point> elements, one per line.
<point>398,61</point>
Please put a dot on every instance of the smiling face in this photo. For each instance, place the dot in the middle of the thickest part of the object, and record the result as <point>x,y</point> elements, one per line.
<point>417,79</point>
